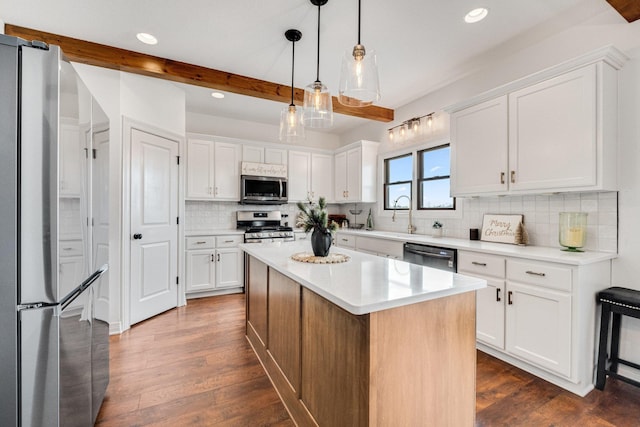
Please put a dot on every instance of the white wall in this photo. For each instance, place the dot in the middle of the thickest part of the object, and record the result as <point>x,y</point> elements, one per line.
<point>219,126</point>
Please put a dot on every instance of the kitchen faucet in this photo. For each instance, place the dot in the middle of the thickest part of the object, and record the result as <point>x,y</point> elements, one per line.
<point>410,227</point>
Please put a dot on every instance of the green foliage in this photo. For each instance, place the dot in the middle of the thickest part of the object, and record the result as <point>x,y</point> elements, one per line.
<point>315,216</point>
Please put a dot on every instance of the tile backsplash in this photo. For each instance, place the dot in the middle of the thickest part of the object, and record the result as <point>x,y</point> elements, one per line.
<point>541,215</point>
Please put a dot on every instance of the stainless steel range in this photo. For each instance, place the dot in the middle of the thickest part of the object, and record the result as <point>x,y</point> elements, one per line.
<point>262,226</point>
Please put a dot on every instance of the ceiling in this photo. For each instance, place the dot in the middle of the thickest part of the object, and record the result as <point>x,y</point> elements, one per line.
<point>420,44</point>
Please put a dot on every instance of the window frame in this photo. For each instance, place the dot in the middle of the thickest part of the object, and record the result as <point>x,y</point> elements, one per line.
<point>385,183</point>
<point>419,178</point>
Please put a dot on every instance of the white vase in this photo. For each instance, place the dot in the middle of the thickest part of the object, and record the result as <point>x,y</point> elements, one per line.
<point>436,232</point>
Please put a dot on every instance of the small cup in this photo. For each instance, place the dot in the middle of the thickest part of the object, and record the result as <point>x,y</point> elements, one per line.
<point>474,234</point>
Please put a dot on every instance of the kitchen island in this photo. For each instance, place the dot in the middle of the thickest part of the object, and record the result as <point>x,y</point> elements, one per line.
<point>372,341</point>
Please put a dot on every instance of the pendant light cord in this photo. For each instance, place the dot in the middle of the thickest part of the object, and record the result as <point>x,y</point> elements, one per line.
<point>293,60</point>
<point>359,6</point>
<point>318,57</point>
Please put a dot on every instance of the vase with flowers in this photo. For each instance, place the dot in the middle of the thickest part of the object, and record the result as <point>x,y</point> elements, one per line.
<point>436,228</point>
<point>315,217</point>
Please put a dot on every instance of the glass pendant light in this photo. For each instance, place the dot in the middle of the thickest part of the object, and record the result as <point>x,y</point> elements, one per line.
<point>291,126</point>
<point>359,85</point>
<point>318,105</point>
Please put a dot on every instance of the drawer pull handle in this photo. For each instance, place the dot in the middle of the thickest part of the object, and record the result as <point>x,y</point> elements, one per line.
<point>509,295</point>
<point>228,241</point>
<point>481,264</point>
<point>67,249</point>
<point>501,177</point>
<point>212,258</point>
<point>498,295</point>
<point>200,243</point>
<point>513,177</point>
<point>535,273</point>
<point>218,257</point>
<point>345,240</point>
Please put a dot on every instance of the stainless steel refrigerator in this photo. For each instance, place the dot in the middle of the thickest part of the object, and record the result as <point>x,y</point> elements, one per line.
<point>54,296</point>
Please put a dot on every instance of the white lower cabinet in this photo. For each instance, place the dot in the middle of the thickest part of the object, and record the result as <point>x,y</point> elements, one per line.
<point>539,326</point>
<point>540,316</point>
<point>213,263</point>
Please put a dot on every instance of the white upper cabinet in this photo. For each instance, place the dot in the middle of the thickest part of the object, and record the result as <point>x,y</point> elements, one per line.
<point>310,176</point>
<point>322,176</point>
<point>355,173</point>
<point>253,154</point>
<point>554,131</point>
<point>259,154</point>
<point>275,156</point>
<point>299,180</point>
<point>479,161</point>
<point>553,140</point>
<point>213,170</point>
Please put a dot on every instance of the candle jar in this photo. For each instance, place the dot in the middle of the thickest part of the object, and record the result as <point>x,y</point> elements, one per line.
<point>573,230</point>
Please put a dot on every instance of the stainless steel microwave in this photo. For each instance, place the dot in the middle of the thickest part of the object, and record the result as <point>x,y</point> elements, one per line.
<point>263,190</point>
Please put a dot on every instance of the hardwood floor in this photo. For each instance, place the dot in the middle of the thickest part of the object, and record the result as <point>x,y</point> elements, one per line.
<point>192,366</point>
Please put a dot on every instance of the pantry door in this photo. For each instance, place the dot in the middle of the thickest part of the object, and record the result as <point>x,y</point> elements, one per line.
<point>154,229</point>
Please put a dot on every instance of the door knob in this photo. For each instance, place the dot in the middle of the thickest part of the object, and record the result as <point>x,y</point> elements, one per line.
<point>137,236</point>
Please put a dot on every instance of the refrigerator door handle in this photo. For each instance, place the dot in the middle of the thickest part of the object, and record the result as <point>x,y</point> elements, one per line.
<point>68,299</point>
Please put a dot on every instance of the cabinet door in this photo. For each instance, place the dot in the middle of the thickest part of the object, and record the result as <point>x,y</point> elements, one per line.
<point>199,169</point>
<point>322,176</point>
<point>354,175</point>
<point>490,313</point>
<point>227,171</point>
<point>299,175</point>
<point>200,270</point>
<point>538,326</point>
<point>340,176</point>
<point>275,156</point>
<point>479,149</point>
<point>229,268</point>
<point>284,325</point>
<point>552,133</point>
<point>252,154</point>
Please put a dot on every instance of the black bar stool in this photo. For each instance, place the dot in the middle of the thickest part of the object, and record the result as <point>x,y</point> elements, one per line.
<point>619,302</point>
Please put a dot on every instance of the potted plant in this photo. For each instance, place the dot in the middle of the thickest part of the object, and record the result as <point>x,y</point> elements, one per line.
<point>315,217</point>
<point>437,229</point>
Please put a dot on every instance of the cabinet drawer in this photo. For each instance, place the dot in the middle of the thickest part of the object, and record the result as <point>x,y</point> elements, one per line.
<point>200,242</point>
<point>70,248</point>
<point>229,241</point>
<point>547,275</point>
<point>485,265</point>
<point>383,247</point>
<point>345,240</point>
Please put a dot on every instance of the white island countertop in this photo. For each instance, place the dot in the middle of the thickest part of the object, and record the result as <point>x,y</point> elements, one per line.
<point>366,283</point>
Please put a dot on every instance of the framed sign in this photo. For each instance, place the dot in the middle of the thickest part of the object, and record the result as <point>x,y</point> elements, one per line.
<point>501,228</point>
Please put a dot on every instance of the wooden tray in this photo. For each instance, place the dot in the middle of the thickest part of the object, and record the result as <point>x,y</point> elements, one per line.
<point>311,258</point>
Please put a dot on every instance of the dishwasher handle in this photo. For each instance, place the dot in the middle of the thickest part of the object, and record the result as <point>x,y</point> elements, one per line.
<point>429,254</point>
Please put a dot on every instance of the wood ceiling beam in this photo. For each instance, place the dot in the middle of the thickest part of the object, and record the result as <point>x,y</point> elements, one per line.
<point>629,9</point>
<point>139,63</point>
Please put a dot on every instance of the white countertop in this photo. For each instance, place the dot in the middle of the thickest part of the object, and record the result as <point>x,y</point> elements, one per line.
<point>539,253</point>
<point>366,283</point>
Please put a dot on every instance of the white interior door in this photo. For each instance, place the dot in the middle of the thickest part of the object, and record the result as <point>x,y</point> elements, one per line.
<point>154,229</point>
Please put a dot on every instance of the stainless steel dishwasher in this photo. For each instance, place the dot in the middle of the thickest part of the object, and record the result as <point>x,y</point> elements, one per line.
<point>431,256</point>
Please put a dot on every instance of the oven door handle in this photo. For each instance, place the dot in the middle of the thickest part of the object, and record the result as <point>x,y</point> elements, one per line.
<point>429,254</point>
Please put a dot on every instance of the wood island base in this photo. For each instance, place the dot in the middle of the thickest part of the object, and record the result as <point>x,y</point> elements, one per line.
<point>413,365</point>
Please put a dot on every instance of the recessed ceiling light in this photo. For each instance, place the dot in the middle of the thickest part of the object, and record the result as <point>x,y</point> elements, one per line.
<point>476,15</point>
<point>147,38</point>
<point>217,95</point>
